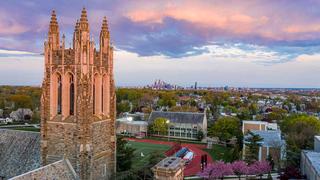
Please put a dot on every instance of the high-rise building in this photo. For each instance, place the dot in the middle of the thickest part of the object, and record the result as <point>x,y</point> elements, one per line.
<point>78,101</point>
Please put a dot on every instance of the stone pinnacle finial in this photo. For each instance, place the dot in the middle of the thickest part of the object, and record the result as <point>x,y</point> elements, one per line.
<point>84,17</point>
<point>104,24</point>
<point>53,18</point>
<point>77,25</point>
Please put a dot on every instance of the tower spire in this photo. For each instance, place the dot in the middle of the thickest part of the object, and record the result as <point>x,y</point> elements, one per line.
<point>104,36</point>
<point>104,24</point>
<point>84,25</point>
<point>53,33</point>
<point>54,27</point>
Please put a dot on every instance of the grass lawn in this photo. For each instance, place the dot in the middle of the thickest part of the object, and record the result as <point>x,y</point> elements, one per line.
<point>146,149</point>
<point>219,152</point>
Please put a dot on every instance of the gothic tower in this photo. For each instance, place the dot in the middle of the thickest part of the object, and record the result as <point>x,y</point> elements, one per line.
<point>78,101</point>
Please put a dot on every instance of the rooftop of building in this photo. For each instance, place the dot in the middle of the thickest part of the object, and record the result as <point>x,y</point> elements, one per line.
<point>19,152</point>
<point>314,158</point>
<point>58,170</point>
<point>256,122</point>
<point>169,163</point>
<point>129,120</point>
<point>178,117</point>
<point>270,138</point>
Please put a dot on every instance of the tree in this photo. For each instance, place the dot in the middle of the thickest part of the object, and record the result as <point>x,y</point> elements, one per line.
<point>252,142</point>
<point>244,113</point>
<point>21,101</point>
<point>160,125</point>
<point>216,170</point>
<point>124,155</point>
<point>259,168</point>
<point>221,169</point>
<point>123,107</point>
<point>184,108</point>
<point>240,168</point>
<point>277,114</point>
<point>200,135</point>
<point>225,128</point>
<point>299,132</point>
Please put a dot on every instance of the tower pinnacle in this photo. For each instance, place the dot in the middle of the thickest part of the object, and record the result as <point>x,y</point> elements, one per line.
<point>53,23</point>
<point>84,25</point>
<point>104,24</point>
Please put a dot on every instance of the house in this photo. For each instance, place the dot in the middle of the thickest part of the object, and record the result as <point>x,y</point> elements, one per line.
<point>184,125</point>
<point>272,145</point>
<point>258,126</point>
<point>21,114</point>
<point>310,161</point>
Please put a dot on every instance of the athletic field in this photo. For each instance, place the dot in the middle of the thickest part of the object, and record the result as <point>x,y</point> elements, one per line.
<point>143,151</point>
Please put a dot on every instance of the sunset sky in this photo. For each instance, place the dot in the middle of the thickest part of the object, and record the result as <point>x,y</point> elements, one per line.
<point>256,43</point>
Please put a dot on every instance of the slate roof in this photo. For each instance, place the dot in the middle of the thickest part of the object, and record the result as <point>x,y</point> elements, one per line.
<point>314,158</point>
<point>178,117</point>
<point>19,152</point>
<point>60,170</point>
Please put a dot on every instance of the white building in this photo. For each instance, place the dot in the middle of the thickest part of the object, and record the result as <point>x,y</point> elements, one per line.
<point>310,161</point>
<point>184,125</point>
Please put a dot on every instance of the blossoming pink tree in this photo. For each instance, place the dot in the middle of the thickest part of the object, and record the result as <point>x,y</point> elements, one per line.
<point>259,168</point>
<point>240,168</point>
<point>220,169</point>
<point>216,170</point>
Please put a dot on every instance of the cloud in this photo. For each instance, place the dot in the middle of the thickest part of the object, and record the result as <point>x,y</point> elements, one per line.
<point>175,29</point>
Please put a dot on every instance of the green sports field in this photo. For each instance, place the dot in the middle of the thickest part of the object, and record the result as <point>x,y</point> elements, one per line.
<point>145,149</point>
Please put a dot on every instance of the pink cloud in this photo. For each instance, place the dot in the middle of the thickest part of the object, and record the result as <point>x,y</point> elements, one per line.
<point>245,18</point>
<point>10,26</point>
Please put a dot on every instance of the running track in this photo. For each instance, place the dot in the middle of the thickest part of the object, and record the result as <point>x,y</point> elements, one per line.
<point>192,168</point>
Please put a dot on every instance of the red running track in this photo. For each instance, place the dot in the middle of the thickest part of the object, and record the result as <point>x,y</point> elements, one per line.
<point>194,166</point>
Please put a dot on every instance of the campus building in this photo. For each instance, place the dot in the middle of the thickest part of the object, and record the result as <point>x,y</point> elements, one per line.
<point>310,161</point>
<point>185,125</point>
<point>170,168</point>
<point>272,144</point>
<point>128,126</point>
<point>258,126</point>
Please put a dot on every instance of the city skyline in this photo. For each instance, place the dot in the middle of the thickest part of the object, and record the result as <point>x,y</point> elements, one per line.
<point>247,44</point>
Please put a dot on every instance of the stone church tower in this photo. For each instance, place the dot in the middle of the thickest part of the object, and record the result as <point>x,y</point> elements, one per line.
<point>78,101</point>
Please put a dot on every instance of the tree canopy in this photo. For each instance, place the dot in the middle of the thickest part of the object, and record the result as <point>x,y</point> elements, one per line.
<point>225,128</point>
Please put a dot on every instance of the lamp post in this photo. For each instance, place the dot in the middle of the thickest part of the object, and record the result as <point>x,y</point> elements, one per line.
<point>130,119</point>
<point>168,122</point>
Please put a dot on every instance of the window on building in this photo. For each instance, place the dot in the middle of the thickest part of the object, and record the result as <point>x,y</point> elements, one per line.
<point>71,95</point>
<point>94,96</point>
<point>59,109</point>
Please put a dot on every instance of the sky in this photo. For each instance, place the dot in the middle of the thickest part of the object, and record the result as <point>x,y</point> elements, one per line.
<point>256,43</point>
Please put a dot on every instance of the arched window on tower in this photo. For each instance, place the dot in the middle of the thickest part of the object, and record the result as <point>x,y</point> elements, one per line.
<point>59,90</point>
<point>94,95</point>
<point>105,94</point>
<point>71,103</point>
<point>97,94</point>
<point>102,95</point>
